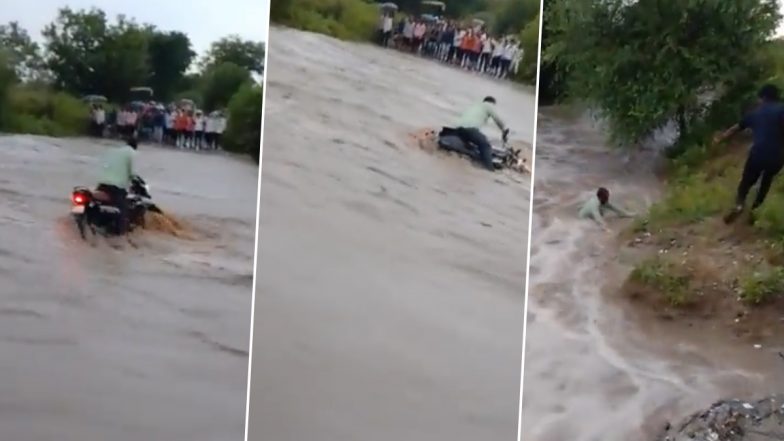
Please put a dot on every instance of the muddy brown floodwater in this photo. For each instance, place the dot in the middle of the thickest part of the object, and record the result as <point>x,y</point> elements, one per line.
<point>139,343</point>
<point>390,281</point>
<point>594,371</point>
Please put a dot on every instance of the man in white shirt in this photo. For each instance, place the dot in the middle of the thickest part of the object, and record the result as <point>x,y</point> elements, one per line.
<point>386,29</point>
<point>518,57</point>
<point>220,127</point>
<point>495,60</point>
<point>487,50</point>
<point>506,59</point>
<point>198,129</point>
<point>457,44</point>
<point>168,130</point>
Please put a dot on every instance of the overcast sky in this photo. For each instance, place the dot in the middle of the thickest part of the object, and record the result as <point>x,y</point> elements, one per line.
<point>203,20</point>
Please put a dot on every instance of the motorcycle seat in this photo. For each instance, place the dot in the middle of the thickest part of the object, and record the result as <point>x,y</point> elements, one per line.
<point>101,196</point>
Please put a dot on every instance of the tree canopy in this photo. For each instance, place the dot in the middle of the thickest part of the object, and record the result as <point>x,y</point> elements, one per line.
<point>651,62</point>
<point>86,52</point>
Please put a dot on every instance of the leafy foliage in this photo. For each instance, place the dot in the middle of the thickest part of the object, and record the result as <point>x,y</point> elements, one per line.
<point>170,56</point>
<point>243,133</point>
<point>24,55</point>
<point>221,83</point>
<point>646,64</point>
<point>232,49</point>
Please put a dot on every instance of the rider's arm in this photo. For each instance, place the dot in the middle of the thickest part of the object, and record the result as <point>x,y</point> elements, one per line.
<point>497,119</point>
<point>130,163</point>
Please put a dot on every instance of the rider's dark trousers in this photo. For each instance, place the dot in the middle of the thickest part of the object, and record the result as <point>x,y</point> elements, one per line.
<point>120,200</point>
<point>476,137</point>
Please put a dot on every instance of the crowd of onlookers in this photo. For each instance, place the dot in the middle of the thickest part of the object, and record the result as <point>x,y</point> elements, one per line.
<point>469,47</point>
<point>177,126</point>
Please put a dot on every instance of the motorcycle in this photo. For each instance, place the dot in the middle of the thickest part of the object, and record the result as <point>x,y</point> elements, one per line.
<point>451,140</point>
<point>95,210</point>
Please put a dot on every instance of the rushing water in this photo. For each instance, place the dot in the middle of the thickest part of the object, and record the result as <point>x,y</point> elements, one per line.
<point>593,371</point>
<point>138,343</point>
<point>390,280</point>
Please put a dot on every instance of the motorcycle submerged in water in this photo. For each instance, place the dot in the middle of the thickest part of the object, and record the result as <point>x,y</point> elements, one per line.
<point>95,210</point>
<point>450,139</point>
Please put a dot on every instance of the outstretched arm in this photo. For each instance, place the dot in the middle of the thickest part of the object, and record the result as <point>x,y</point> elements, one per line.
<point>620,212</point>
<point>727,134</point>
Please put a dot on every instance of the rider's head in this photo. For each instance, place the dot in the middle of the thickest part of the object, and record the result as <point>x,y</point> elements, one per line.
<point>489,99</point>
<point>603,194</point>
<point>769,93</point>
<point>133,142</point>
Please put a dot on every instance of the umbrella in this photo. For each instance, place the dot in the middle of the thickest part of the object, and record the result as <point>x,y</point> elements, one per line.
<point>440,5</point>
<point>478,22</point>
<point>95,98</point>
<point>428,17</point>
<point>388,5</point>
<point>145,90</point>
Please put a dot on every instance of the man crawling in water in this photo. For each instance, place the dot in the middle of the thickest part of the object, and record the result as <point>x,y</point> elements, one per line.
<point>597,206</point>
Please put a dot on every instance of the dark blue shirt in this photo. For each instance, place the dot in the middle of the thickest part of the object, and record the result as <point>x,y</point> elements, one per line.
<point>767,125</point>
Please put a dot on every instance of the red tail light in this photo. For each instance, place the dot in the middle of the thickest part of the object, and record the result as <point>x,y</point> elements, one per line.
<point>78,199</point>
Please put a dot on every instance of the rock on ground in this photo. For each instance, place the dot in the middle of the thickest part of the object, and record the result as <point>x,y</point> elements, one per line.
<point>732,420</point>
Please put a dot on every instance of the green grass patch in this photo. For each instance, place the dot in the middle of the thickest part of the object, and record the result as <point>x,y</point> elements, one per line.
<point>762,286</point>
<point>691,199</point>
<point>344,19</point>
<point>44,112</point>
<point>662,276</point>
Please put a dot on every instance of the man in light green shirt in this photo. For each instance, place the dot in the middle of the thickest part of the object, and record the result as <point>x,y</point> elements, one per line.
<point>470,123</point>
<point>116,173</point>
<point>596,206</point>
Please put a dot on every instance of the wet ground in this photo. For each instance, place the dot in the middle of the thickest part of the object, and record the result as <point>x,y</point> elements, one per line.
<point>594,371</point>
<point>139,343</point>
<point>390,281</point>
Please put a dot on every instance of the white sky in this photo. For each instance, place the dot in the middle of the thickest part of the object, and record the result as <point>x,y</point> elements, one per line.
<point>780,30</point>
<point>204,21</point>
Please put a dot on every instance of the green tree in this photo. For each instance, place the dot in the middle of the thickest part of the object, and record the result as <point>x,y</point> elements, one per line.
<point>170,55</point>
<point>87,54</point>
<point>648,63</point>
<point>511,16</point>
<point>529,43</point>
<point>24,55</point>
<point>552,75</point>
<point>232,49</point>
<point>124,61</point>
<point>7,80</point>
<point>221,82</point>
<point>74,45</point>
<point>243,133</point>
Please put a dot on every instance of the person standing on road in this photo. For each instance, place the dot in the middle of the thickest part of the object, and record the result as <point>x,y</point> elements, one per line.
<point>220,128</point>
<point>457,46</point>
<point>386,29</point>
<point>469,128</point>
<point>766,156</point>
<point>487,49</point>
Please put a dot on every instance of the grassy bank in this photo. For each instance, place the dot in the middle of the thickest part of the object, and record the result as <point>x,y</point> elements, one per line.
<point>693,266</point>
<point>353,20</point>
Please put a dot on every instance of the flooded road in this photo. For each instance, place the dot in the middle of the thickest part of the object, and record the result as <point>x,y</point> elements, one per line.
<point>390,281</point>
<point>594,371</point>
<point>139,343</point>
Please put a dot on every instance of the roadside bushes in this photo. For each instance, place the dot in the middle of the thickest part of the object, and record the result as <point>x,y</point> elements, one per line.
<point>345,19</point>
<point>243,133</point>
<point>529,43</point>
<point>43,112</point>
